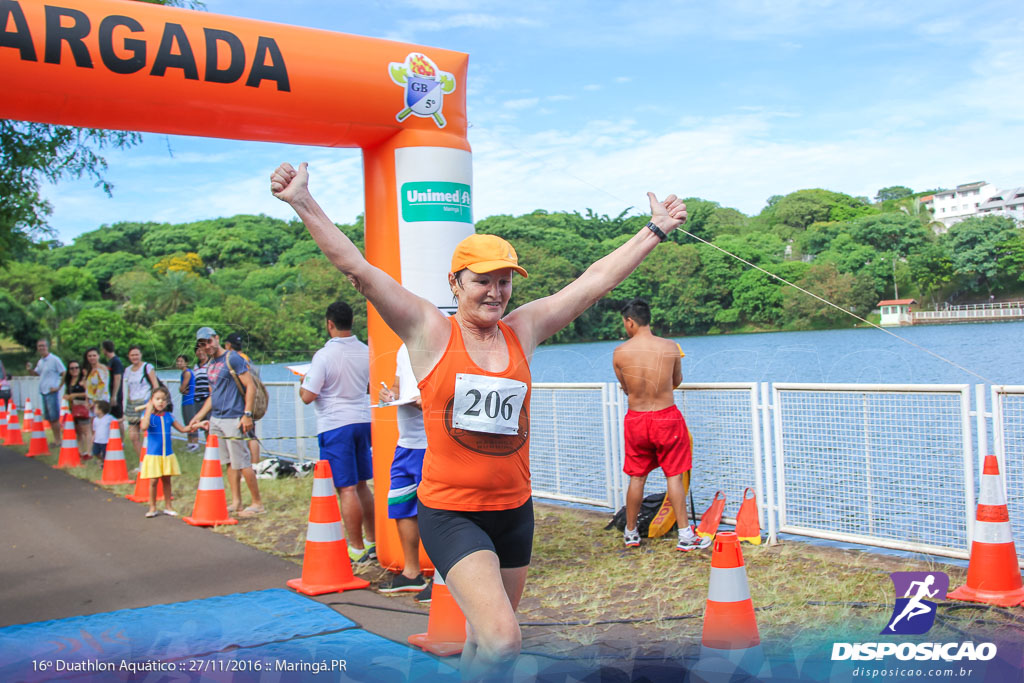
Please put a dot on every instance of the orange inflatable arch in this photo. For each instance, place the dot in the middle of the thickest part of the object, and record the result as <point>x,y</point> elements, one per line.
<point>136,66</point>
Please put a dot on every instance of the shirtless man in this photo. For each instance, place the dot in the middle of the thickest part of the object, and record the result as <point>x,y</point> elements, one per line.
<point>649,369</point>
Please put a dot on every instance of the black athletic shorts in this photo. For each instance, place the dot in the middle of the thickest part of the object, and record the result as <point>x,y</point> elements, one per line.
<point>450,535</point>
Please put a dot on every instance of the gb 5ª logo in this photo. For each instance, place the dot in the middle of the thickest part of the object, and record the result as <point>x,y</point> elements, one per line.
<point>425,87</point>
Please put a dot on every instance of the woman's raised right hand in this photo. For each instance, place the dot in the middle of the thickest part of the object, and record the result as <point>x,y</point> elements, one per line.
<point>286,183</point>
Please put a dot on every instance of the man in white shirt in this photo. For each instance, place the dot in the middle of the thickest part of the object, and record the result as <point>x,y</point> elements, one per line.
<point>50,370</point>
<point>406,473</point>
<point>338,383</point>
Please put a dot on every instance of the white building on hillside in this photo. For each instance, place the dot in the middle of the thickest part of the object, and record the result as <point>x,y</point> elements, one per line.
<point>1009,203</point>
<point>953,206</point>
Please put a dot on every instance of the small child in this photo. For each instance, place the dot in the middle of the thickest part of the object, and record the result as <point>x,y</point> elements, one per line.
<point>160,464</point>
<point>101,429</point>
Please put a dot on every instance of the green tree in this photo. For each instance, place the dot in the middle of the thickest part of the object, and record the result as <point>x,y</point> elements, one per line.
<point>1010,268</point>
<point>974,247</point>
<point>105,266</point>
<point>72,282</point>
<point>17,322</point>
<point>894,192</point>
<point>847,291</point>
<point>931,269</point>
<point>173,292</point>
<point>94,325</point>
<point>759,297</point>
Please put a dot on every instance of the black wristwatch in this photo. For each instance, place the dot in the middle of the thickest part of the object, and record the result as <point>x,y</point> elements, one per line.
<point>657,231</point>
<point>247,413</point>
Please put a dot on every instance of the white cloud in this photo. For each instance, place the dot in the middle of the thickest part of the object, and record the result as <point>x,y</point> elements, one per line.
<point>738,161</point>
<point>524,103</point>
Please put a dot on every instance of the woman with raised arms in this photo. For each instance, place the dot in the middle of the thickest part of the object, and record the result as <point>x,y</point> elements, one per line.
<point>475,507</point>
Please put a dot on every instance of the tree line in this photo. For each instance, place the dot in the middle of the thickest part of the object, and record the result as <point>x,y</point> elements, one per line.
<point>152,284</point>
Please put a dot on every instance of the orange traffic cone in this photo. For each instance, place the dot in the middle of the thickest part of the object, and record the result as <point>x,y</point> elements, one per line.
<point>748,528</point>
<point>3,420</point>
<point>26,418</point>
<point>13,427</point>
<point>39,445</point>
<point>141,492</point>
<point>326,567</point>
<point>211,506</point>
<point>730,642</point>
<point>446,627</point>
<point>69,445</point>
<point>993,575</point>
<point>115,470</point>
<point>711,518</point>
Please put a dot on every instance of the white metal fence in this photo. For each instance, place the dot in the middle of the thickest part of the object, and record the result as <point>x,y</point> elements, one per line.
<point>877,464</point>
<point>1008,435</point>
<point>882,465</point>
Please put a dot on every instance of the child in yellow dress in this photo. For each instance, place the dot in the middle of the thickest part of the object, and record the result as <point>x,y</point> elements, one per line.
<point>160,463</point>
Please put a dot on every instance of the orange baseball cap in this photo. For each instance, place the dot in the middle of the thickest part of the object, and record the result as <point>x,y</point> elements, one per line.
<point>484,253</point>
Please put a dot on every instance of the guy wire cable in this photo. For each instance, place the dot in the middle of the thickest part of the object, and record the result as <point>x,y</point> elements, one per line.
<point>780,279</point>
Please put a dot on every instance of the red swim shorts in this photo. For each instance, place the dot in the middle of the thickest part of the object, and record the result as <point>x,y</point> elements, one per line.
<point>657,438</point>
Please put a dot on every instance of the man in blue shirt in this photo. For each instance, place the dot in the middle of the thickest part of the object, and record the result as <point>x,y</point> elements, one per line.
<point>231,421</point>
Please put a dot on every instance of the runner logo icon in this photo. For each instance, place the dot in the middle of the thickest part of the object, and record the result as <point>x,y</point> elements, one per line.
<point>914,612</point>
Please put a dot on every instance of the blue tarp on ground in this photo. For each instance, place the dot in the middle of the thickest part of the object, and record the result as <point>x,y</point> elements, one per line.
<point>163,632</point>
<point>352,655</point>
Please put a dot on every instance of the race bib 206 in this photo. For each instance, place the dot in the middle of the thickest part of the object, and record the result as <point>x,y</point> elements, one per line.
<point>487,404</point>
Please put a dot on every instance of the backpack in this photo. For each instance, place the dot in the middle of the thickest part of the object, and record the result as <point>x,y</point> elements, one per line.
<point>649,509</point>
<point>262,398</point>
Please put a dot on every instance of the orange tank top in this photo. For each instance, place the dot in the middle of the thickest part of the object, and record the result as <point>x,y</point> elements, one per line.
<point>478,430</point>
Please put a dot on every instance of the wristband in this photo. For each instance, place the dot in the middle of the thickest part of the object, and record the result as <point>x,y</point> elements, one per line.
<point>657,231</point>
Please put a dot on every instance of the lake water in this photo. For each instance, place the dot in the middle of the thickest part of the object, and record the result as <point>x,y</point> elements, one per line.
<point>863,355</point>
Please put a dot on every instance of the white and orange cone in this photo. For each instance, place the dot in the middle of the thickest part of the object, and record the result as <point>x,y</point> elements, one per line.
<point>141,492</point>
<point>211,506</point>
<point>115,470</point>
<point>39,445</point>
<point>3,420</point>
<point>69,456</point>
<point>446,627</point>
<point>326,567</point>
<point>26,417</point>
<point>993,575</point>
<point>13,427</point>
<point>730,642</point>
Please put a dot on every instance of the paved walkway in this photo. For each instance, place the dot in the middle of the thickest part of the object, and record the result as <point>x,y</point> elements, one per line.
<point>72,548</point>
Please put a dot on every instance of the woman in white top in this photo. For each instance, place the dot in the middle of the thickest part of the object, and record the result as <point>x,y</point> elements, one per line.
<point>139,382</point>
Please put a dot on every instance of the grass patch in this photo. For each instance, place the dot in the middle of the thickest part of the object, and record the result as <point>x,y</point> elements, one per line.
<point>583,574</point>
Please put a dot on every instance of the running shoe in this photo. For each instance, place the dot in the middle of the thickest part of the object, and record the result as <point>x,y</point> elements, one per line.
<point>424,595</point>
<point>399,583</point>
<point>631,537</point>
<point>690,540</point>
<point>371,549</point>
<point>359,556</point>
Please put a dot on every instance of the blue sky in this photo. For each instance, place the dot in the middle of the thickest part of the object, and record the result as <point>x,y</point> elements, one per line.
<point>577,105</point>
